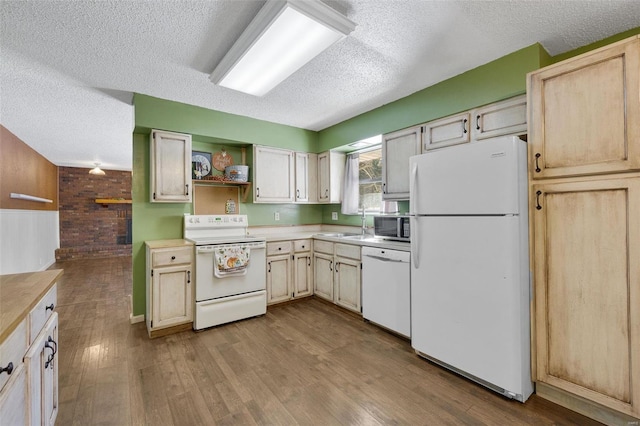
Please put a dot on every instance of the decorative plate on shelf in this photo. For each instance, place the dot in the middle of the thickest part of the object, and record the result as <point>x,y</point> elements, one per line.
<point>200,164</point>
<point>221,160</point>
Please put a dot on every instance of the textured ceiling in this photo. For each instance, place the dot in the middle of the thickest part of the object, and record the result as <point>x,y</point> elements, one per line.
<point>68,68</point>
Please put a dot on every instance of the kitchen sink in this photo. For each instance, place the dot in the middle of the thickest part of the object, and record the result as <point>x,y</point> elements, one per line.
<point>360,237</point>
<point>338,234</point>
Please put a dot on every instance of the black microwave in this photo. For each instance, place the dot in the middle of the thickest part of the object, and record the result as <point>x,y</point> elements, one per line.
<point>392,227</point>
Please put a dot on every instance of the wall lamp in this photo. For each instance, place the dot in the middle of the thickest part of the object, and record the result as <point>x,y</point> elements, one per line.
<point>284,36</point>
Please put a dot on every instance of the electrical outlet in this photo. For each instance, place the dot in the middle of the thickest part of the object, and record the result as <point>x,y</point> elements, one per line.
<point>276,216</point>
<point>334,215</point>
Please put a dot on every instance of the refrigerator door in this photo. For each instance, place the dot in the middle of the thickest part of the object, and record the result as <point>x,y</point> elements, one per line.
<point>486,177</point>
<point>470,298</point>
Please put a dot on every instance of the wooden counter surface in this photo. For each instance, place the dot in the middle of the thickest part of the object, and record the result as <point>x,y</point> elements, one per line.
<point>19,293</point>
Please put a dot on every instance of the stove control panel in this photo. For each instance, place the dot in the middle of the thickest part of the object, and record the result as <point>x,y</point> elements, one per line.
<point>232,220</point>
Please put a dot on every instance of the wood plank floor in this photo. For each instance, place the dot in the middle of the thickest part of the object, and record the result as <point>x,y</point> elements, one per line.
<point>303,363</point>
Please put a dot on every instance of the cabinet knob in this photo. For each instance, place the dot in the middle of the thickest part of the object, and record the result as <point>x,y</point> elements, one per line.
<point>173,258</point>
<point>50,307</point>
<point>8,369</point>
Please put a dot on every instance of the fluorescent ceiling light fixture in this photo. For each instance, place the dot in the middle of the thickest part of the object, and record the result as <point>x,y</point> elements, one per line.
<point>373,140</point>
<point>97,170</point>
<point>284,36</point>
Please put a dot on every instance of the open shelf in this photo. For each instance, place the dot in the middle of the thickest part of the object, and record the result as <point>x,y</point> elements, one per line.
<point>244,186</point>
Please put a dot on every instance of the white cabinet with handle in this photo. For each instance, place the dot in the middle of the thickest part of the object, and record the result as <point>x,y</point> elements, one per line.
<point>170,167</point>
<point>507,117</point>
<point>447,131</point>
<point>331,166</point>
<point>306,177</point>
<point>274,175</point>
<point>397,147</point>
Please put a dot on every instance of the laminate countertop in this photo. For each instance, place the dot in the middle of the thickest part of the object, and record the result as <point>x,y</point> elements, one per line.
<point>19,293</point>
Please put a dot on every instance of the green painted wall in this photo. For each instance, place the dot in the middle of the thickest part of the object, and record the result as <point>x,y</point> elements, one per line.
<point>211,130</point>
<point>494,81</point>
<point>597,44</point>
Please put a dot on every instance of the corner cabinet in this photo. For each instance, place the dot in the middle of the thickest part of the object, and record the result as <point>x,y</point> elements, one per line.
<point>337,274</point>
<point>274,175</point>
<point>170,167</point>
<point>306,177</point>
<point>289,270</point>
<point>331,166</point>
<point>169,286</point>
<point>397,147</point>
<point>584,157</point>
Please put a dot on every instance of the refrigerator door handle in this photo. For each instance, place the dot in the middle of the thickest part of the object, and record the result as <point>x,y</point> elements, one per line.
<point>415,243</point>
<point>413,189</point>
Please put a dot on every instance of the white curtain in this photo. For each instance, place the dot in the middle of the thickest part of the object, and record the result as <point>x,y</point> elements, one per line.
<point>351,185</point>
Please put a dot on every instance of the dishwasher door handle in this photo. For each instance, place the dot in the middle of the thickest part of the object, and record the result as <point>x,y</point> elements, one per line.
<point>385,259</point>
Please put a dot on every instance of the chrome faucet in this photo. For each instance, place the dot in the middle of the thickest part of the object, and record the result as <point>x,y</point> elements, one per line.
<point>364,222</point>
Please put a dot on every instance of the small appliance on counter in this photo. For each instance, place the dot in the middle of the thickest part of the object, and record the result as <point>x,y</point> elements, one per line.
<point>392,227</point>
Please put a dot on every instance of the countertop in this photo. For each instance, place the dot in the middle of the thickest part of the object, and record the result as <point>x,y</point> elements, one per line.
<point>19,294</point>
<point>369,241</point>
<point>156,244</point>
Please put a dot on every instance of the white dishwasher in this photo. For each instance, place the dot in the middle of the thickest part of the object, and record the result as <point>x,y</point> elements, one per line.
<point>386,288</point>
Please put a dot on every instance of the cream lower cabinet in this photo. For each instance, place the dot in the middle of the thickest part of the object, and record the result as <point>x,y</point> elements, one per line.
<point>170,296</point>
<point>337,273</point>
<point>42,374</point>
<point>586,242</point>
<point>29,362</point>
<point>289,270</point>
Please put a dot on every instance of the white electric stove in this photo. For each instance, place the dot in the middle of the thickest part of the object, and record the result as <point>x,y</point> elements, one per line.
<point>226,292</point>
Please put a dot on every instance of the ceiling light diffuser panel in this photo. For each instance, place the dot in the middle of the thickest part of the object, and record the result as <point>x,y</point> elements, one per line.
<point>284,36</point>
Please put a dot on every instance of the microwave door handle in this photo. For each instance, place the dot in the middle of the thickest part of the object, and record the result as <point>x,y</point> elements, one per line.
<point>399,228</point>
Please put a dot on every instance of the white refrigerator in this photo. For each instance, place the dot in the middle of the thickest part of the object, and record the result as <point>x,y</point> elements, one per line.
<point>470,281</point>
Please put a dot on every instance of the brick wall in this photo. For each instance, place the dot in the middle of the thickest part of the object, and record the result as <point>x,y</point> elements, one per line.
<point>88,229</point>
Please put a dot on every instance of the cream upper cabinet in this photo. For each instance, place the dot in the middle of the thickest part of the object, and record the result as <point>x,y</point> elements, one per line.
<point>507,117</point>
<point>330,176</point>
<point>306,177</point>
<point>586,245</point>
<point>452,130</point>
<point>274,175</point>
<point>585,113</point>
<point>397,147</point>
<point>170,167</point>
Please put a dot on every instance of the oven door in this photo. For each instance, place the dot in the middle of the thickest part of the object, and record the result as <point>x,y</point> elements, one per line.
<point>208,286</point>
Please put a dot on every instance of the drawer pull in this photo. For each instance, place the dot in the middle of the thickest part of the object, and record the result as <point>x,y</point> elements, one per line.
<point>50,307</point>
<point>54,350</point>
<point>173,258</point>
<point>8,369</point>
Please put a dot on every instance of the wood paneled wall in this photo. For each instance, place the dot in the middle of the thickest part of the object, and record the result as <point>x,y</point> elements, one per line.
<point>25,171</point>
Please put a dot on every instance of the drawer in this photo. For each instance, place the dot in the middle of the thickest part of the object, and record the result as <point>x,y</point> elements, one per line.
<point>348,250</point>
<point>280,247</point>
<point>323,247</point>
<point>171,256</point>
<point>41,313</point>
<point>301,245</point>
<point>12,350</point>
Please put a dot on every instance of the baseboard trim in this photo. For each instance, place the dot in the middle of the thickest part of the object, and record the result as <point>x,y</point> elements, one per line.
<point>134,319</point>
<point>583,406</point>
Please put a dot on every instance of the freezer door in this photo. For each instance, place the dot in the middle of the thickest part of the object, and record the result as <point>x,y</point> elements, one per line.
<point>486,177</point>
<point>470,297</point>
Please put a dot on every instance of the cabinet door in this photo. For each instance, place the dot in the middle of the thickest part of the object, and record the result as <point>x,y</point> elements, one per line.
<point>397,147</point>
<point>170,167</point>
<point>585,113</point>
<point>347,283</point>
<point>446,131</point>
<point>501,118</point>
<point>302,275</point>
<point>323,275</point>
<point>42,374</point>
<point>172,296</point>
<point>330,176</point>
<point>13,404</point>
<point>278,278</point>
<point>302,177</point>
<point>274,175</point>
<point>587,289</point>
